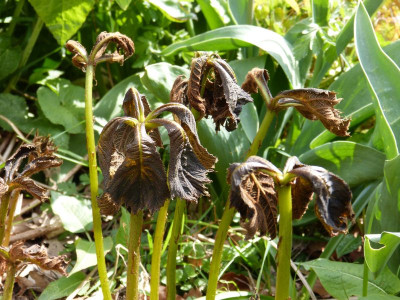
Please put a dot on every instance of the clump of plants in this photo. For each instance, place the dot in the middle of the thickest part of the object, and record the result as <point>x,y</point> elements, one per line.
<point>15,178</point>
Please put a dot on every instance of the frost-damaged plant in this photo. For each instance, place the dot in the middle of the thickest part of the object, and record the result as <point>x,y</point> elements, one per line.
<point>211,90</point>
<point>257,187</point>
<point>39,156</point>
<point>133,171</point>
<point>314,104</point>
<point>87,63</point>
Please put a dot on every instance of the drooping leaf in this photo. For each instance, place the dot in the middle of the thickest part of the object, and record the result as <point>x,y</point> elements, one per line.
<point>315,104</point>
<point>30,186</point>
<point>186,175</point>
<point>343,280</point>
<point>333,201</point>
<point>63,17</point>
<point>253,195</point>
<point>137,179</point>
<point>197,71</point>
<point>188,123</point>
<point>79,60</point>
<point>255,78</point>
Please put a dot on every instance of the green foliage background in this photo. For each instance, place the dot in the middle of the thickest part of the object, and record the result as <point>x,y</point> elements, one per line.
<point>326,44</point>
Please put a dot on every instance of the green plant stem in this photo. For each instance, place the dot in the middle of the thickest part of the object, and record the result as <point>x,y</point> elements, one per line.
<point>173,248</point>
<point>157,249</point>
<point>365,280</point>
<point>98,235</point>
<point>9,284</point>
<point>261,133</point>
<point>13,205</point>
<point>228,214</point>
<point>5,200</point>
<point>17,12</point>
<point>285,242</point>
<point>135,232</point>
<point>25,55</point>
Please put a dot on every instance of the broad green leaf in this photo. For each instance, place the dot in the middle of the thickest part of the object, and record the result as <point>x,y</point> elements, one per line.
<point>377,257</point>
<point>63,103</point>
<point>160,77</point>
<point>214,12</point>
<point>63,17</point>
<point>242,11</point>
<point>62,287</point>
<point>13,108</point>
<point>343,280</point>
<point>345,36</point>
<point>124,4</point>
<point>173,10</point>
<point>9,57</point>
<point>238,296</point>
<point>236,36</point>
<point>382,75</point>
<point>86,253</point>
<point>320,12</point>
<point>354,163</point>
<point>348,244</point>
<point>75,214</point>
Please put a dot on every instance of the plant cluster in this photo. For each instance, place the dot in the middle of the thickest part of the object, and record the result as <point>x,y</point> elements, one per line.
<point>223,159</point>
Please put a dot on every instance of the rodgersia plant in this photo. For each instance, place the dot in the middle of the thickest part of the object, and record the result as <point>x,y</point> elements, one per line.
<point>258,189</point>
<point>134,174</point>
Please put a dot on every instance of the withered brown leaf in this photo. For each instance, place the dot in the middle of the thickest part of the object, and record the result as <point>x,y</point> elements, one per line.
<point>254,79</point>
<point>212,89</point>
<point>315,104</point>
<point>37,255</point>
<point>333,201</point>
<point>253,195</point>
<point>187,176</point>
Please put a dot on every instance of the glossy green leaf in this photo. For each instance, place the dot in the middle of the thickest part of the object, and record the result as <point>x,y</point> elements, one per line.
<point>64,104</point>
<point>63,17</point>
<point>377,257</point>
<point>173,10</point>
<point>124,4</point>
<point>234,37</point>
<point>242,11</point>
<point>343,280</point>
<point>62,287</point>
<point>382,75</point>
<point>345,36</point>
<point>354,163</point>
<point>160,77</point>
<point>86,253</point>
<point>75,214</point>
<point>214,12</point>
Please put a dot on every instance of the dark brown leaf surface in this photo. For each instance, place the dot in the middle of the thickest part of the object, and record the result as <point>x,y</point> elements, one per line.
<point>121,41</point>
<point>315,104</point>
<point>134,175</point>
<point>212,89</point>
<point>186,174</point>
<point>253,195</point>
<point>255,78</point>
<point>333,201</point>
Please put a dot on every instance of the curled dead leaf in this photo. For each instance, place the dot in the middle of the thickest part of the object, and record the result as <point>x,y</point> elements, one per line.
<point>333,201</point>
<point>255,79</point>
<point>315,104</point>
<point>212,89</point>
